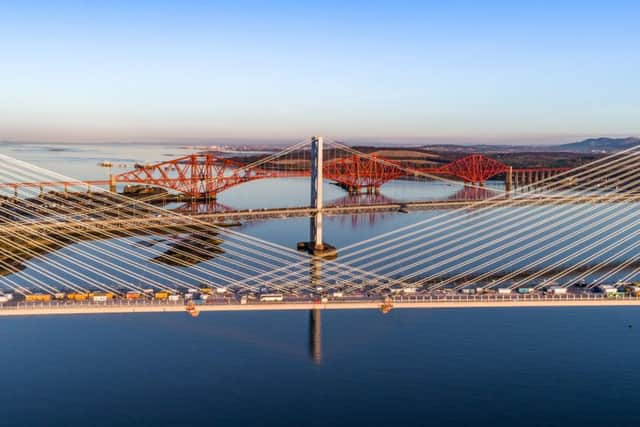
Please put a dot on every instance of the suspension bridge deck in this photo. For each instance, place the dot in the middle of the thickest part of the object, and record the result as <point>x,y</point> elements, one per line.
<point>184,219</point>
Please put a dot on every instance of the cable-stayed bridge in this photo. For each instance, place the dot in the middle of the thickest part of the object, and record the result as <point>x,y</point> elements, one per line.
<point>553,241</point>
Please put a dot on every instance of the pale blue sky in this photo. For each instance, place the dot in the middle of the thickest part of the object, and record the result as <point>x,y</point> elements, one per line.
<point>469,71</point>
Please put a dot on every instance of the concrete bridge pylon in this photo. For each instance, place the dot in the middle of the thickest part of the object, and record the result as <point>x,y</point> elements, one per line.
<point>316,245</point>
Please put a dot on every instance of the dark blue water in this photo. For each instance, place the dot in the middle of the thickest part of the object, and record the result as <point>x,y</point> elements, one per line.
<point>497,367</point>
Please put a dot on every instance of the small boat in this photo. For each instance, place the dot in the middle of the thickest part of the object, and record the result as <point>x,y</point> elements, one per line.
<point>105,164</point>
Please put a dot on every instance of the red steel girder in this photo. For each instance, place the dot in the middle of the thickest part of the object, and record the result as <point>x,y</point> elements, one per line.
<point>355,172</point>
<point>204,174</point>
<point>201,175</point>
<point>475,168</point>
<point>195,175</point>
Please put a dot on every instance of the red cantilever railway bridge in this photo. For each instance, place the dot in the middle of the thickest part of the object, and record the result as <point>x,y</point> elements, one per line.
<point>206,175</point>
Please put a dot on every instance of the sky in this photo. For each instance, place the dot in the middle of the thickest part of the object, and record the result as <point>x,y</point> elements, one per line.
<point>397,71</point>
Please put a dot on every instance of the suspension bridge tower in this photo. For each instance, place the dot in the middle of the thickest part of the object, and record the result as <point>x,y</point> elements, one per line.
<point>316,245</point>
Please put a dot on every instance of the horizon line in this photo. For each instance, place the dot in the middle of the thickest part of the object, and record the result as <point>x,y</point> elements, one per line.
<point>408,141</point>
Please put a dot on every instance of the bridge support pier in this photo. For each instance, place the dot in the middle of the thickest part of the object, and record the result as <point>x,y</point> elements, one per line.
<point>372,189</point>
<point>316,245</point>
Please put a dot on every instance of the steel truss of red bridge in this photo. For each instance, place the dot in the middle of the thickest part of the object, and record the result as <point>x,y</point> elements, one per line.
<point>202,175</point>
<point>205,175</point>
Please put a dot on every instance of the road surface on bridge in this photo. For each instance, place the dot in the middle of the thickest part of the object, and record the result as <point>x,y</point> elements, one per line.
<point>185,219</point>
<point>24,309</point>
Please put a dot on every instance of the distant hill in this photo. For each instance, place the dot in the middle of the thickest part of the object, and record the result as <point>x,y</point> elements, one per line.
<point>589,146</point>
<point>598,145</point>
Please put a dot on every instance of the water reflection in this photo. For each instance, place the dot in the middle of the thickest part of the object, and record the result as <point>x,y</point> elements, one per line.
<point>467,193</point>
<point>315,336</point>
<point>356,221</point>
<point>464,193</point>
<point>210,206</point>
<point>362,199</point>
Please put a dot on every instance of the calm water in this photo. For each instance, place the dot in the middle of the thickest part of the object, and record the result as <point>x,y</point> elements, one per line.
<point>552,367</point>
<point>537,367</point>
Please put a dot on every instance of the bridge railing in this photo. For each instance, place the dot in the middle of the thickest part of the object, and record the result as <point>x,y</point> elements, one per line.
<point>511,298</point>
<point>407,299</point>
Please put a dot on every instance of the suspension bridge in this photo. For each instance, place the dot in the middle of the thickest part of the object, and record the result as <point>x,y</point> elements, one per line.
<point>552,237</point>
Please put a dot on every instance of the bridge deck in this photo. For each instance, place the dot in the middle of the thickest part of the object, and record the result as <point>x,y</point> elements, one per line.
<point>172,219</point>
<point>76,309</point>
